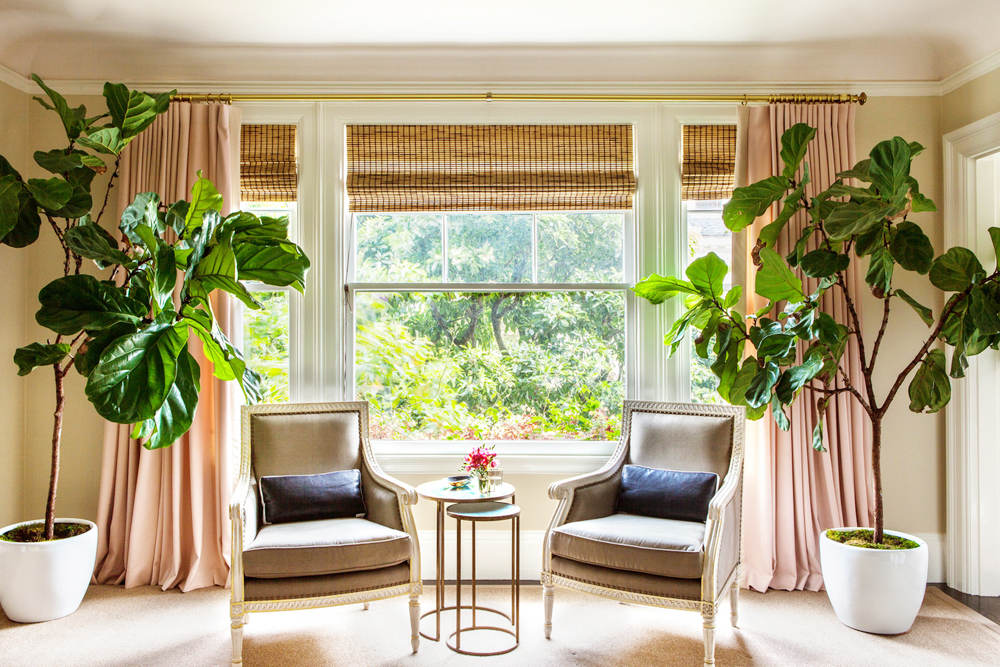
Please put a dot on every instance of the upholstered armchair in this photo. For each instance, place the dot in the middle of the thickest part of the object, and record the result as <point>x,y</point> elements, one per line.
<point>591,547</point>
<point>325,562</point>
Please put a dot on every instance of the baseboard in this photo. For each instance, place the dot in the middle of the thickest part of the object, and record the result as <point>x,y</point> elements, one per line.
<point>493,553</point>
<point>935,561</point>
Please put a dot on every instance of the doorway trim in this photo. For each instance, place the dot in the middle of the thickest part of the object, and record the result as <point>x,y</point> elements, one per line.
<point>972,472</point>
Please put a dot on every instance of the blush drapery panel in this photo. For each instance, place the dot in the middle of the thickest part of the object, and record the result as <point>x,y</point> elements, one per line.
<point>163,516</point>
<point>791,493</point>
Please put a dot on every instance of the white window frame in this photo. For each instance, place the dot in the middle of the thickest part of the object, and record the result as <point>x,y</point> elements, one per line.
<point>321,364</point>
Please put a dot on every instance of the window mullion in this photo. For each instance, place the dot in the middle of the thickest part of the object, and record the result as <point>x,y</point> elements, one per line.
<point>444,248</point>
<point>534,248</point>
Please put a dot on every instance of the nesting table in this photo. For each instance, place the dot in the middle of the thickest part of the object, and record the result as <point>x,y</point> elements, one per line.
<point>469,504</point>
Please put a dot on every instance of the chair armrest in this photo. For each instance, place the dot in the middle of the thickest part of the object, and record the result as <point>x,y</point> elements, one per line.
<point>243,516</point>
<point>722,537</point>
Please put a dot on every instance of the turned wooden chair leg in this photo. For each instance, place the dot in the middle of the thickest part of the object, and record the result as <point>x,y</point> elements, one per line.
<point>366,606</point>
<point>709,625</point>
<point>415,622</point>
<point>549,596</point>
<point>734,604</point>
<point>237,627</point>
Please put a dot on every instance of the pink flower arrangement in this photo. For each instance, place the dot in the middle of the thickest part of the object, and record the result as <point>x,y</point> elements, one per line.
<point>479,460</point>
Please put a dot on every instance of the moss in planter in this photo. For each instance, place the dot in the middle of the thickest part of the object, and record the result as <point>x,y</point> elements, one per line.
<point>35,532</point>
<point>864,539</point>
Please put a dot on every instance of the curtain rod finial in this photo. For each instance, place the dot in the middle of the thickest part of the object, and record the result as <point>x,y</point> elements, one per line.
<point>862,98</point>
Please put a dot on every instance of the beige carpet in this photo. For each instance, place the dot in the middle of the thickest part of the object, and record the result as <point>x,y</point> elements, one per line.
<point>145,626</point>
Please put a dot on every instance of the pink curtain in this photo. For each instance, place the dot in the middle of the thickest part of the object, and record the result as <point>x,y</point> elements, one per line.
<point>791,492</point>
<point>163,515</point>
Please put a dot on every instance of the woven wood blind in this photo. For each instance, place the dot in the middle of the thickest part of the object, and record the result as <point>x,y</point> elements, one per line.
<point>489,167</point>
<point>709,162</point>
<point>267,163</point>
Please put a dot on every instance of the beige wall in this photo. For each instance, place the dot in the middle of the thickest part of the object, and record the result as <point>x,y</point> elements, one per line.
<point>13,276</point>
<point>975,100</point>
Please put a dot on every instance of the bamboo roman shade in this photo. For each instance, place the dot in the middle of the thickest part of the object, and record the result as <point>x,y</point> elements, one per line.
<point>709,162</point>
<point>267,163</point>
<point>489,167</point>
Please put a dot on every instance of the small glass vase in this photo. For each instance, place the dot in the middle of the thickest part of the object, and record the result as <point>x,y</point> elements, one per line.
<point>483,477</point>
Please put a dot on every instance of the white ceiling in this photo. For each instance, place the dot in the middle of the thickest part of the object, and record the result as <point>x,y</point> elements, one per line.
<point>510,40</point>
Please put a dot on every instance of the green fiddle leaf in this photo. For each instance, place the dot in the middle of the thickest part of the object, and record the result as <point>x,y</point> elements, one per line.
<point>76,302</point>
<point>143,429</point>
<point>799,251</point>
<point>879,276</point>
<point>10,201</point>
<point>775,281</point>
<point>142,212</point>
<point>955,270</point>
<point>916,148</point>
<point>740,385</point>
<point>656,288</point>
<point>279,263</point>
<point>218,270</point>
<point>860,171</point>
<point>137,371</point>
<point>793,379</point>
<point>758,394</point>
<point>50,193</point>
<point>732,296</point>
<point>775,346</point>
<point>90,353</point>
<point>995,238</point>
<point>165,274</point>
<point>30,357</point>
<point>794,144</point>
<point>204,198</point>
<point>930,389</point>
<point>925,313</point>
<point>73,120</point>
<point>778,412</point>
<point>227,360</point>
<point>918,202</point>
<point>866,243</point>
<point>131,111</point>
<point>707,273</point>
<point>822,263</point>
<point>750,202</point>
<point>176,216</point>
<point>175,416</point>
<point>911,248</point>
<point>58,161</point>
<point>94,242</point>
<point>890,166</point>
<point>107,140</point>
<point>27,225</point>
<point>985,311</point>
<point>817,439</point>
<point>859,195</point>
<point>852,219</point>
<point>247,226</point>
<point>80,204</point>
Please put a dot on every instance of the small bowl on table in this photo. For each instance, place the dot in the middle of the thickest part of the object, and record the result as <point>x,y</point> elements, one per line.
<point>458,481</point>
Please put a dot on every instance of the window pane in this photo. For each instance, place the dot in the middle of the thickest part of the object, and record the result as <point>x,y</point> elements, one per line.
<point>707,233</point>
<point>499,366</point>
<point>580,247</point>
<point>398,248</point>
<point>489,248</point>
<point>265,343</point>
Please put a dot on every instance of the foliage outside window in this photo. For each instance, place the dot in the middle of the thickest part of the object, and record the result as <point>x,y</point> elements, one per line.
<point>498,326</point>
<point>707,233</point>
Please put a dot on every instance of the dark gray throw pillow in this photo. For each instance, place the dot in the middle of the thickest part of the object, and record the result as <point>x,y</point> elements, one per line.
<point>667,494</point>
<point>329,495</point>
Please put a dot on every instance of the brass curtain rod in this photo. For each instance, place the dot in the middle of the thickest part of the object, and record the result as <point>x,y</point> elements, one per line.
<point>521,97</point>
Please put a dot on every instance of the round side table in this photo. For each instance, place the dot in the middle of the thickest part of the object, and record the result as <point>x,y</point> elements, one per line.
<point>474,513</point>
<point>442,493</point>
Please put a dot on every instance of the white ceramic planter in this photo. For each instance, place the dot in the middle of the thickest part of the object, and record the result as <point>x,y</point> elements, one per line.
<point>875,590</point>
<point>42,581</point>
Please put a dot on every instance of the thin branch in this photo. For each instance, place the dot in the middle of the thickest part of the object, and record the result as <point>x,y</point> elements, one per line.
<point>881,331</point>
<point>111,184</point>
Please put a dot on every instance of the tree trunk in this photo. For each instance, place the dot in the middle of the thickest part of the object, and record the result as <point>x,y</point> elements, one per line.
<point>496,320</point>
<point>50,504</point>
<point>877,474</point>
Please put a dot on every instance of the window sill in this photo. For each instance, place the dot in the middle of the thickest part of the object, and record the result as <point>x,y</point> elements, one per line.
<point>544,457</point>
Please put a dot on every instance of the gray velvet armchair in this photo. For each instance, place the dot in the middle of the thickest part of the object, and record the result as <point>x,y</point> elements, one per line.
<point>689,565</point>
<point>309,564</point>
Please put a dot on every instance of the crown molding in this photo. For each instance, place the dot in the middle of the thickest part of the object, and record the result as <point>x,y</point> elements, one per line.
<point>871,88</point>
<point>973,71</point>
<point>15,80</point>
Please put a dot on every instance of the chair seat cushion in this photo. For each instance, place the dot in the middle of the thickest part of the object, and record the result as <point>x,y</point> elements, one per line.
<point>326,546</point>
<point>662,547</point>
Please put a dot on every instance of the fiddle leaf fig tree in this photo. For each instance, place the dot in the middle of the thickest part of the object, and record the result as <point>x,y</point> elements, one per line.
<point>790,347</point>
<point>130,329</point>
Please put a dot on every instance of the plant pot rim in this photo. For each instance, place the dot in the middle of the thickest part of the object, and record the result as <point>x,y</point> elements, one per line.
<point>50,544</point>
<point>921,544</point>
